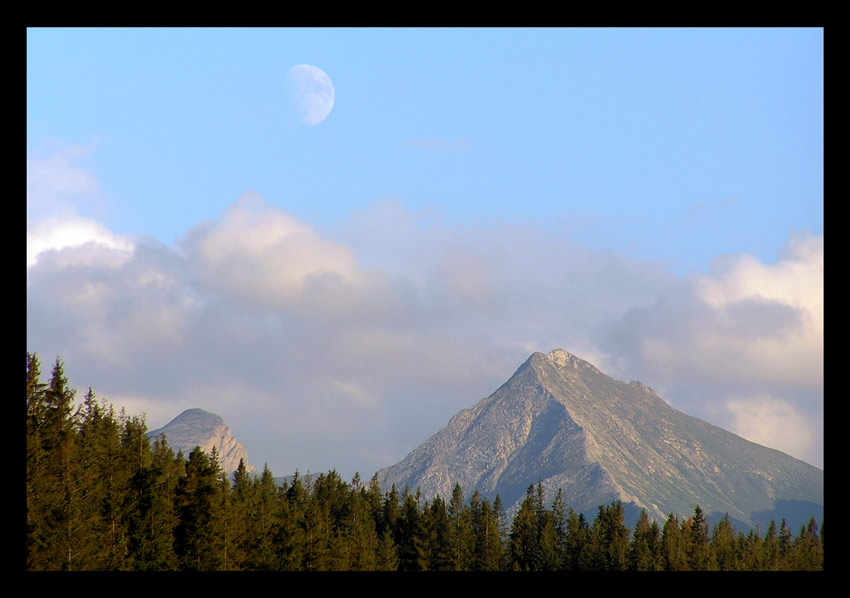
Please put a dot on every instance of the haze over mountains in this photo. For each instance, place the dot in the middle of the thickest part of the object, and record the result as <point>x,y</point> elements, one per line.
<point>561,422</point>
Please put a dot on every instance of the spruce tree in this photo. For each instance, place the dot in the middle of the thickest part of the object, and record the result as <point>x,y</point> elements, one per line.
<point>63,520</point>
<point>462,538</point>
<point>437,553</point>
<point>410,534</point>
<point>723,546</point>
<point>489,549</point>
<point>577,547</point>
<point>643,552</point>
<point>195,535</point>
<point>524,537</point>
<point>673,554</point>
<point>696,542</point>
<point>610,538</point>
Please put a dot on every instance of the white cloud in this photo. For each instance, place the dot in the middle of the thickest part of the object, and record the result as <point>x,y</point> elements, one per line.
<point>56,185</point>
<point>325,352</point>
<point>55,234</point>
<point>261,256</point>
<point>746,327</point>
<point>775,422</point>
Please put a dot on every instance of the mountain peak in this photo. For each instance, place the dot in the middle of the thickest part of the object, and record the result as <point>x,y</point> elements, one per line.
<point>559,357</point>
<point>563,359</point>
<point>562,422</point>
<point>197,427</point>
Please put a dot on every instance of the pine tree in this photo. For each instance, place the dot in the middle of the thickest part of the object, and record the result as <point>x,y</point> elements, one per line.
<point>273,540</point>
<point>436,553</point>
<point>770,549</point>
<point>489,550</point>
<point>696,543</point>
<point>39,490</point>
<point>673,554</point>
<point>60,533</point>
<point>524,537</point>
<point>806,550</point>
<point>390,512</point>
<point>316,529</point>
<point>387,552</point>
<point>644,549</point>
<point>559,520</point>
<point>610,538</point>
<point>577,547</point>
<point>409,534</point>
<point>194,536</point>
<point>462,539</point>
<point>723,546</point>
<point>751,550</point>
<point>784,552</point>
<point>150,529</point>
<point>359,529</point>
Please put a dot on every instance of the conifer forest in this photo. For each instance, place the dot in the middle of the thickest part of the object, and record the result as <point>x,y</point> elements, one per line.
<point>101,496</point>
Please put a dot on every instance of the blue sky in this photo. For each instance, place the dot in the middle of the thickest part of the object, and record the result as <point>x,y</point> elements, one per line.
<point>479,178</point>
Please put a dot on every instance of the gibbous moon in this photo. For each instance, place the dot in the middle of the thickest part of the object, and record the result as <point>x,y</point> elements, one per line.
<point>311,93</point>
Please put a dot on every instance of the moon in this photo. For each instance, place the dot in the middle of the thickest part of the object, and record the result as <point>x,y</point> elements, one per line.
<point>311,93</point>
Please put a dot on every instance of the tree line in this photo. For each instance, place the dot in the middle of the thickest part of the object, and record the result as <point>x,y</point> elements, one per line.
<point>102,496</point>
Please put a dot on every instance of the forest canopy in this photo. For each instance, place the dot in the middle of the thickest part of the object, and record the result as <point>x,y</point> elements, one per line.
<point>102,496</point>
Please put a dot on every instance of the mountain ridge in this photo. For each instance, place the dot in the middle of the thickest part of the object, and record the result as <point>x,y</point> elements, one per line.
<point>560,421</point>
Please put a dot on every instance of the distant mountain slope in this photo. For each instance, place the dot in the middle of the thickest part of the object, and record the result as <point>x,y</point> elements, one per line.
<point>196,427</point>
<point>561,421</point>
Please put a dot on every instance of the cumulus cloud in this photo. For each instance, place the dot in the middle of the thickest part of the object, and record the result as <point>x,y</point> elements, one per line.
<point>745,327</point>
<point>349,349</point>
<point>774,422</point>
<point>57,185</point>
<point>267,257</point>
<point>56,234</point>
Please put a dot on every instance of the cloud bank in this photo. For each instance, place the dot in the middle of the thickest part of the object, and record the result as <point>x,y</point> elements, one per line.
<point>348,349</point>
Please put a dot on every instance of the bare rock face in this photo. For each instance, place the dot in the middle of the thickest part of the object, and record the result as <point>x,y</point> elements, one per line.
<point>561,422</point>
<point>196,427</point>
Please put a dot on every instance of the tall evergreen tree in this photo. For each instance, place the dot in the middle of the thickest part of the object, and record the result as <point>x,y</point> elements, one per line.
<point>410,534</point>
<point>436,553</point>
<point>150,529</point>
<point>611,538</point>
<point>35,475</point>
<point>462,538</point>
<point>524,536</point>
<point>195,534</point>
<point>673,554</point>
<point>489,550</point>
<point>723,546</point>
<point>644,549</point>
<point>696,543</point>
<point>577,549</point>
<point>63,520</point>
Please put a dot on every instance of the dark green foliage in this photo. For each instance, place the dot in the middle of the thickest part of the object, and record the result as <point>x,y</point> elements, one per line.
<point>610,539</point>
<point>645,549</point>
<point>101,496</point>
<point>724,546</point>
<point>489,549</point>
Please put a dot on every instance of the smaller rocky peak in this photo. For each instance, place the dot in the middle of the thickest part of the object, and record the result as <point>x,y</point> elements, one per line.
<point>197,427</point>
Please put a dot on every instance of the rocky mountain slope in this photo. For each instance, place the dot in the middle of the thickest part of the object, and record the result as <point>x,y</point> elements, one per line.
<point>560,421</point>
<point>196,427</point>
